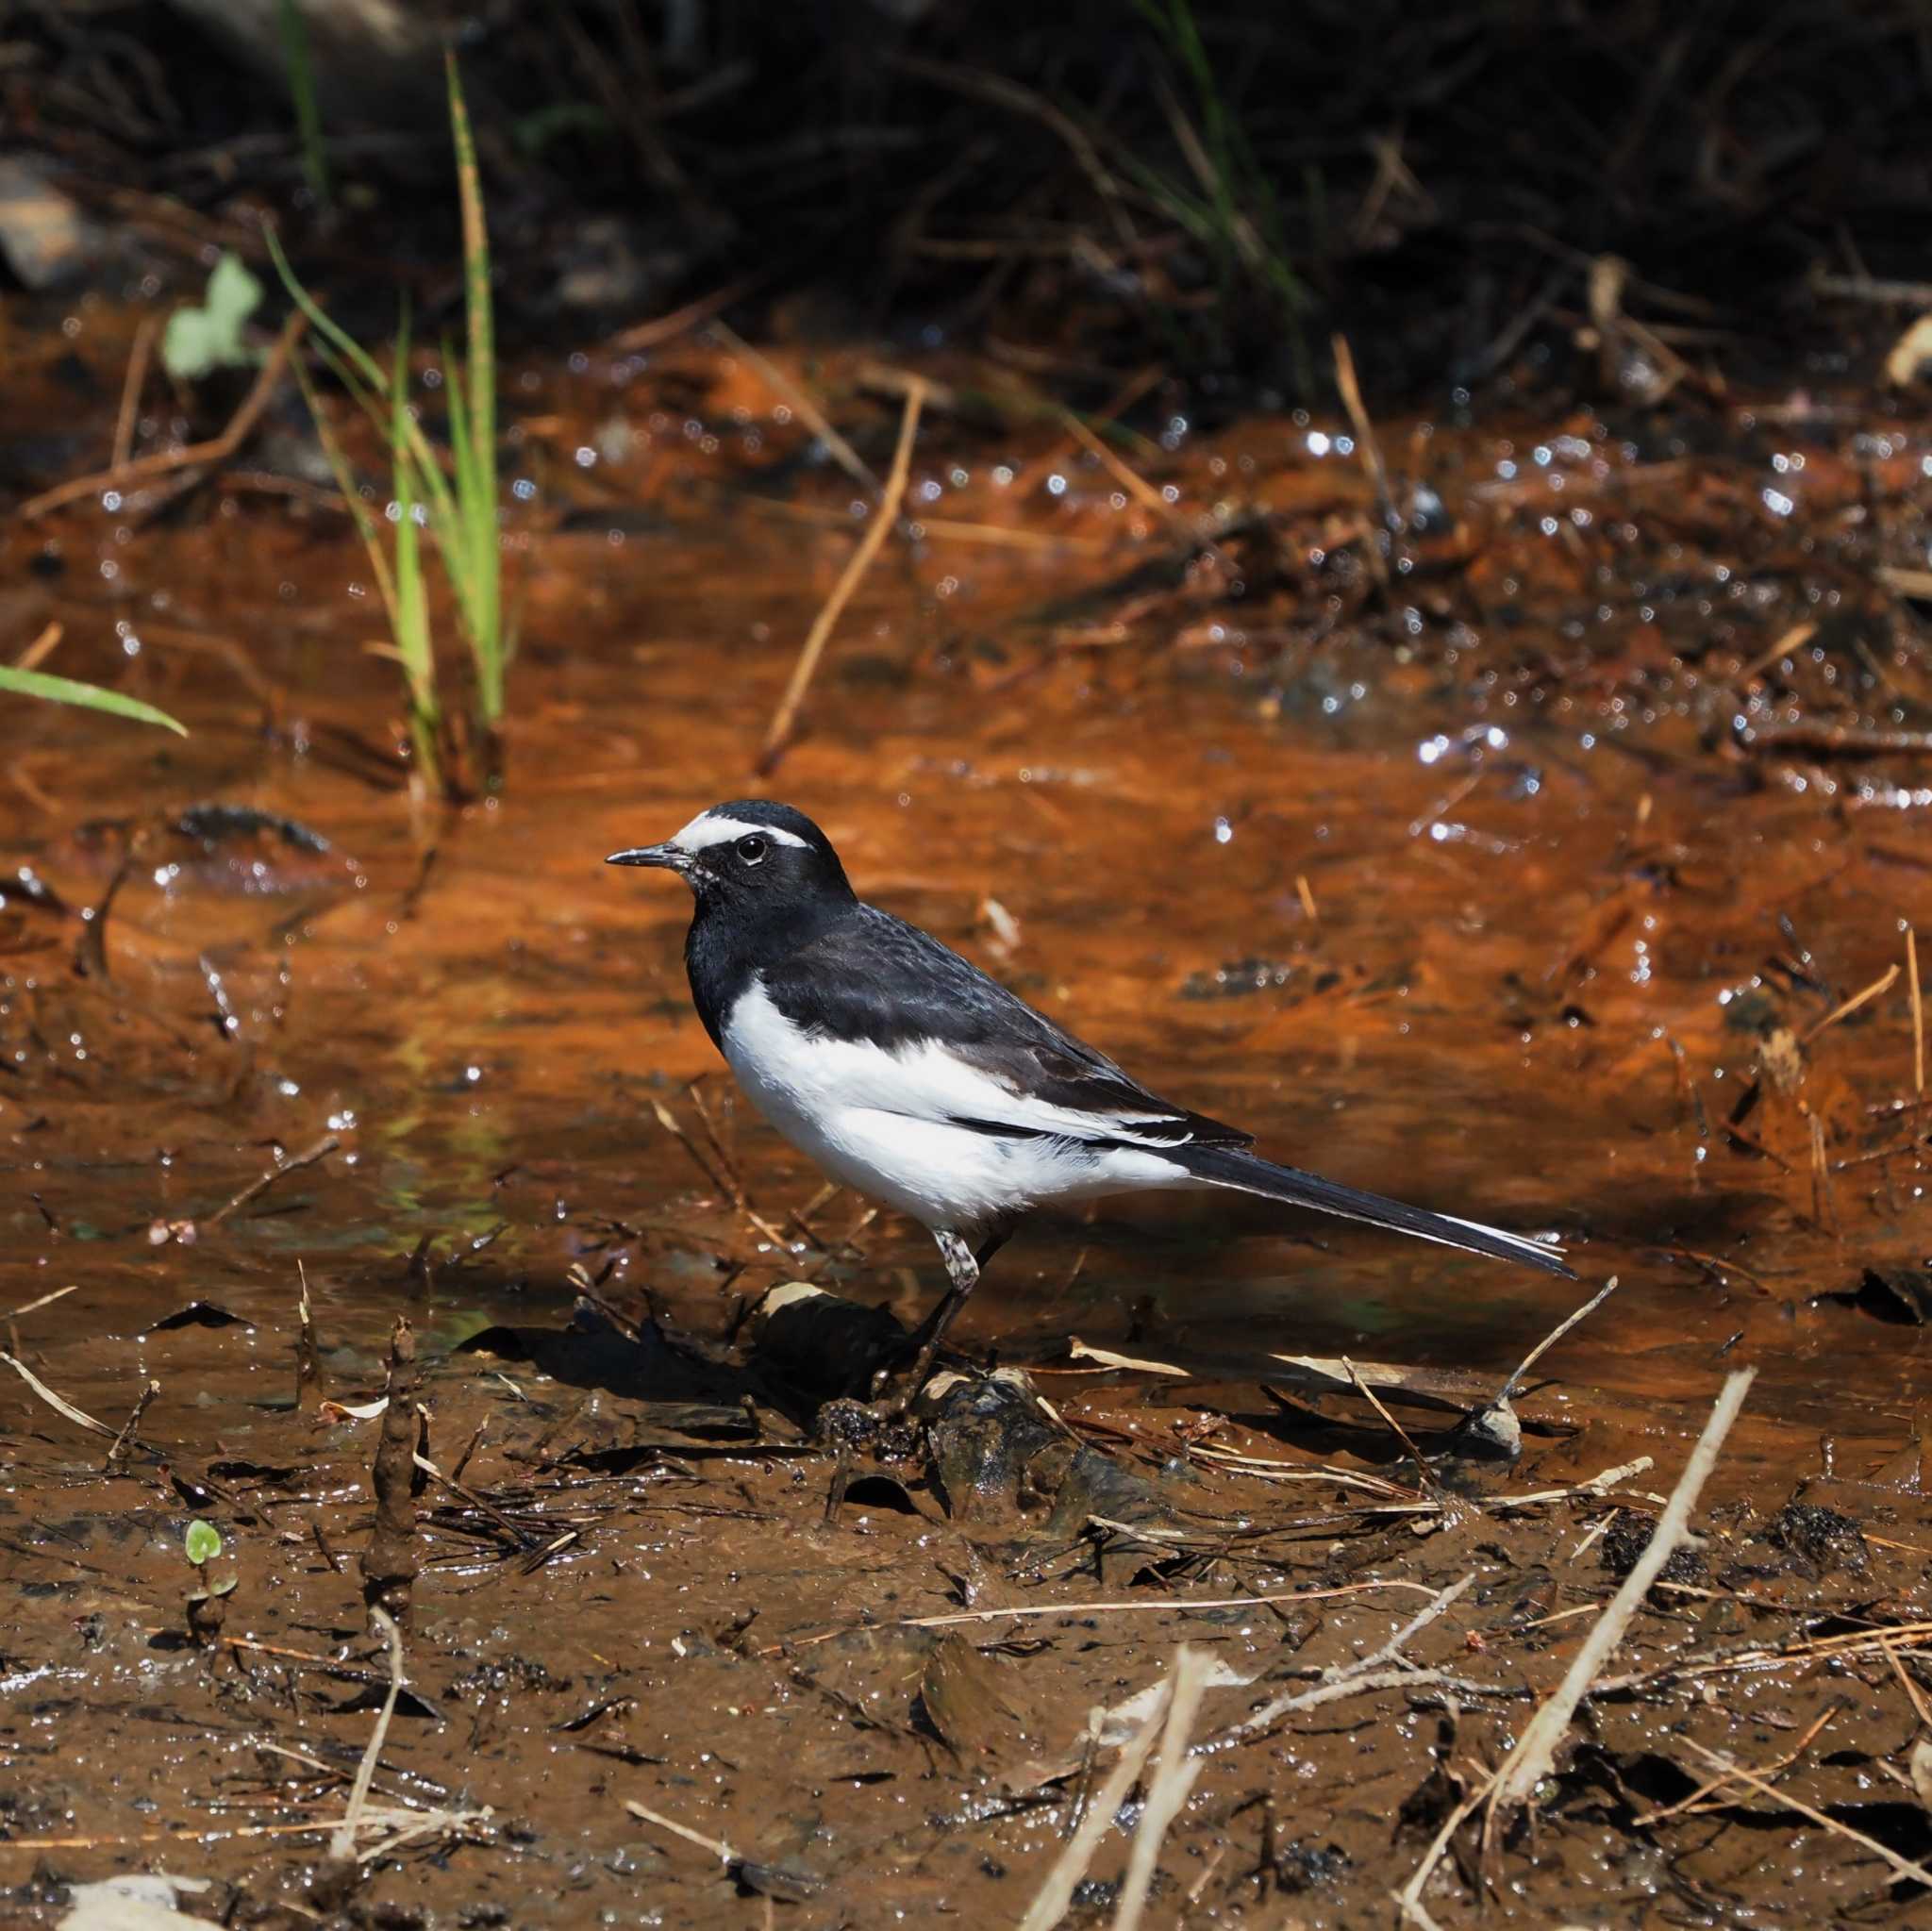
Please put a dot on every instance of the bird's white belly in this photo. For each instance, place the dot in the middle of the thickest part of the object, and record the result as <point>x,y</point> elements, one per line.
<point>876,1122</point>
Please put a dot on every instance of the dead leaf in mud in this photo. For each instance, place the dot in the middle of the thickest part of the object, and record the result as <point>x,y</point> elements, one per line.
<point>1921,1770</point>
<point>351,1411</point>
<point>1909,354</point>
<point>790,1883</point>
<point>139,1901</point>
<point>1446,1390</point>
<point>1896,1293</point>
<point>409,1703</point>
<point>199,1314</point>
<point>1078,1350</point>
<point>969,1699</point>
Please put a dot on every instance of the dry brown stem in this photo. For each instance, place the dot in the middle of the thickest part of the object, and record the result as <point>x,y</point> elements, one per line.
<point>883,518</point>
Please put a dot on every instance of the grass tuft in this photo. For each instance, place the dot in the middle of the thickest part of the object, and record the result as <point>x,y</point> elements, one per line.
<point>1229,206</point>
<point>301,71</point>
<point>459,508</point>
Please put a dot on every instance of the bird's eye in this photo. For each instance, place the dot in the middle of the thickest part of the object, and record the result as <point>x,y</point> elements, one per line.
<point>752,850</point>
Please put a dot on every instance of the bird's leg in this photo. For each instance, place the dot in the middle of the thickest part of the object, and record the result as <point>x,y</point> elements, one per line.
<point>963,1271</point>
<point>994,1241</point>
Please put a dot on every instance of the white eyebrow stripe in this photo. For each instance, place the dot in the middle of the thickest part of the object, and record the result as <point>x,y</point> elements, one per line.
<point>707,828</point>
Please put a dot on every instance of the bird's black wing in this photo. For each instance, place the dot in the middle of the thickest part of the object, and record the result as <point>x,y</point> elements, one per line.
<point>870,976</point>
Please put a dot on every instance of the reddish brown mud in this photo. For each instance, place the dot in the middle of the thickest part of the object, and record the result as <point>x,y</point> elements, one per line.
<point>1554,868</point>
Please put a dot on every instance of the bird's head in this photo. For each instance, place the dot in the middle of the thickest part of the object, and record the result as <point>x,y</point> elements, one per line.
<point>748,851</point>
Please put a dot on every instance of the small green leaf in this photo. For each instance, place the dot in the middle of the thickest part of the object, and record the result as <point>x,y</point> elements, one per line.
<point>89,696</point>
<point>199,340</point>
<point>233,293</point>
<point>203,1542</point>
<point>223,1589</point>
<point>188,345</point>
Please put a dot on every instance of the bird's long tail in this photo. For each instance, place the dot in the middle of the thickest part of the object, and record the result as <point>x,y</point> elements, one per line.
<point>1226,1166</point>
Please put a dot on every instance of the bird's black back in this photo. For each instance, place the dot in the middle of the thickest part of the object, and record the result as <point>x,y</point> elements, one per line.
<point>844,969</point>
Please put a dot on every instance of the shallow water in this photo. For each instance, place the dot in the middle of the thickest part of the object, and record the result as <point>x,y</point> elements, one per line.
<point>1482,891</point>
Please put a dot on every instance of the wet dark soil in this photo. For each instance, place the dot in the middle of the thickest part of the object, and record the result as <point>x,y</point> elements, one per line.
<point>1548,860</point>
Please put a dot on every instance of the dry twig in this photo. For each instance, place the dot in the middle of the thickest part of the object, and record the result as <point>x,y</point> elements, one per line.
<point>342,1844</point>
<point>1904,1867</point>
<point>263,1182</point>
<point>1051,1903</point>
<point>802,406</point>
<point>216,449</point>
<point>78,1416</point>
<point>883,518</point>
<point>1527,1765</point>
<point>1174,1774</point>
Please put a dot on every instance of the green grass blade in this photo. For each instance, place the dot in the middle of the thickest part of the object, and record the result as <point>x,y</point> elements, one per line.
<point>475,446</point>
<point>87,697</point>
<point>412,627</point>
<point>344,343</point>
<point>477,303</point>
<point>352,497</point>
<point>453,528</point>
<point>301,71</point>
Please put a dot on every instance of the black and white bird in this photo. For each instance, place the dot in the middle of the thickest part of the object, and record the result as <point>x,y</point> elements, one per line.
<point>910,1075</point>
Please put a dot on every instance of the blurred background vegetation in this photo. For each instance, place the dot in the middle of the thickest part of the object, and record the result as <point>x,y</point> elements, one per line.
<point>1216,185</point>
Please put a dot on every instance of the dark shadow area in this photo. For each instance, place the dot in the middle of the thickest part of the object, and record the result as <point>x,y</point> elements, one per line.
<point>1212,186</point>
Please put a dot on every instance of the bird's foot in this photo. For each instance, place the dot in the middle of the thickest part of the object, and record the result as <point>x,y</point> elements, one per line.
<point>852,1428</point>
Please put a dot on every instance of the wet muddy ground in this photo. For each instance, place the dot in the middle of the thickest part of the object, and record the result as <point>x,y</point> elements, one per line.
<point>1552,863</point>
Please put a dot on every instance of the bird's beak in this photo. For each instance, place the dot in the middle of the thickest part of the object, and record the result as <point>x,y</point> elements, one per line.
<point>667,857</point>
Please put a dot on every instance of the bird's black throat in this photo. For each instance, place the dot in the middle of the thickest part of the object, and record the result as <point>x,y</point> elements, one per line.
<point>734,936</point>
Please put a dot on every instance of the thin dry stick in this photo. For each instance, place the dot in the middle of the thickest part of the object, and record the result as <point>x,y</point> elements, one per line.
<point>45,1300</point>
<point>717,1847</point>
<point>216,449</point>
<point>671,1123</point>
<point>1904,1866</point>
<point>1130,480</point>
<point>1529,1762</point>
<point>418,1822</point>
<point>1167,1606</point>
<point>40,649</point>
<point>1796,637</point>
<point>1355,1683</point>
<point>1352,1679</point>
<point>1056,1894</point>
<point>1368,448</point>
<point>1392,1651</point>
<point>801,407</point>
<point>342,1843</point>
<point>1910,1688</point>
<point>1918,1011</point>
<point>694,1093</point>
<point>131,1429</point>
<point>1174,1774</point>
<point>883,519</point>
<point>131,388</point>
<point>1409,1900</point>
<point>1394,1427</point>
<point>78,1416</point>
<point>1556,1333</point>
<point>1883,983</point>
<point>522,1538</point>
<point>664,328</point>
<point>263,1182</point>
<point>1699,1799</point>
<point>722,1178</point>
